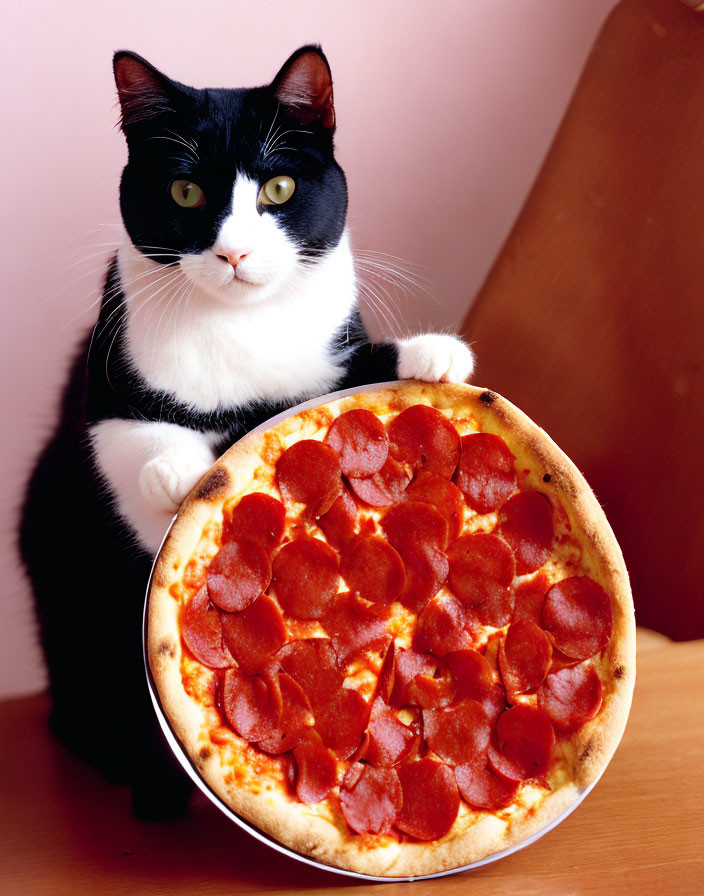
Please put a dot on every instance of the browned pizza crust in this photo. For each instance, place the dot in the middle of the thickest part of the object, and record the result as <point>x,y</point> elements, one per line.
<point>320,831</point>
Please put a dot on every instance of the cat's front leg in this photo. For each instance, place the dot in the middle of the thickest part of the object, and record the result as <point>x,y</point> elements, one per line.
<point>149,468</point>
<point>434,358</point>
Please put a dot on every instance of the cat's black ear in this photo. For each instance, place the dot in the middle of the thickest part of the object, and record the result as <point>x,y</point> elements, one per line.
<point>143,91</point>
<point>304,87</point>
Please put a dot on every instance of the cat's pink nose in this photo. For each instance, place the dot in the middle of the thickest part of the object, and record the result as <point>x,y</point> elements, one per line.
<point>232,256</point>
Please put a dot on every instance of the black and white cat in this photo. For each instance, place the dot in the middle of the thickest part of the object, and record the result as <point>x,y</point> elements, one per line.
<point>232,297</point>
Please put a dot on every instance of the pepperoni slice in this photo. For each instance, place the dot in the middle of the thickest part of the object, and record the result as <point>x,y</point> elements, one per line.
<point>360,441</point>
<point>352,627</point>
<point>257,517</point>
<point>422,437</point>
<point>421,680</point>
<point>524,743</point>
<point>476,680</point>
<point>383,488</point>
<point>459,733</point>
<point>248,706</point>
<point>481,571</point>
<point>342,722</point>
<point>441,627</point>
<point>309,472</point>
<point>316,769</point>
<point>524,657</point>
<point>409,663</point>
<point>529,597</point>
<point>294,721</point>
<point>495,702</point>
<point>385,682</point>
<point>305,577</point>
<point>570,697</point>
<point>339,524</point>
<point>474,677</point>
<point>312,662</point>
<point>201,628</point>
<point>390,741</point>
<point>361,749</point>
<point>577,613</point>
<point>427,569</point>
<point>561,661</point>
<point>486,472</point>
<point>372,568</point>
<point>255,635</point>
<point>370,798</point>
<point>237,575</point>
<point>407,525</point>
<point>270,674</point>
<point>528,528</point>
<point>431,800</point>
<point>482,788</point>
<point>429,488</point>
<point>433,690</point>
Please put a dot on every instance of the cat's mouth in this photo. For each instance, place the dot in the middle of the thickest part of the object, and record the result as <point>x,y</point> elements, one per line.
<point>224,281</point>
<point>243,277</point>
<point>234,270</point>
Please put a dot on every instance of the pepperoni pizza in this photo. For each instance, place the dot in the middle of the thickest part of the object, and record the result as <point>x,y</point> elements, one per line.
<point>395,631</point>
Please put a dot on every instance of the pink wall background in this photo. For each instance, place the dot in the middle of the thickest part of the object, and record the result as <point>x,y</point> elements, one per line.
<point>445,112</point>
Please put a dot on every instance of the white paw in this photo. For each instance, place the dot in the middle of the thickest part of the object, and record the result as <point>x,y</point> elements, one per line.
<point>434,358</point>
<point>165,481</point>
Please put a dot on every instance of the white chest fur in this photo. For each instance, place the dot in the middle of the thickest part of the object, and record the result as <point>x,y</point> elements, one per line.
<point>209,355</point>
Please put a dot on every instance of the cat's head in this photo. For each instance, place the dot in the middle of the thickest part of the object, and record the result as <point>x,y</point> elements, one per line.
<point>239,187</point>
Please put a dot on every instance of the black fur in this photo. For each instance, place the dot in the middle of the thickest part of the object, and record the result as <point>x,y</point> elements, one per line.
<point>88,571</point>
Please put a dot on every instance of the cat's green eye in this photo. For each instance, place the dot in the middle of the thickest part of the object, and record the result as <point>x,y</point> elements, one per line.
<point>277,190</point>
<point>187,194</point>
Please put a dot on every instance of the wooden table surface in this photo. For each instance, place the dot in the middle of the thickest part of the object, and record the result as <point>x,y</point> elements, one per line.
<point>65,831</point>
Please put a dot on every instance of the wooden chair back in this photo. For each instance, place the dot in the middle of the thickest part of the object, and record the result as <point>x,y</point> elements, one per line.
<point>592,317</point>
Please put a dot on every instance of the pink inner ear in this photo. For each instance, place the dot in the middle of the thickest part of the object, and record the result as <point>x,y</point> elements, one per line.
<point>142,92</point>
<point>306,89</point>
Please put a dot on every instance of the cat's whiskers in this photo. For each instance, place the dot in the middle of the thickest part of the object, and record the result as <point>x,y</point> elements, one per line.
<point>101,254</point>
<point>100,268</point>
<point>177,295</point>
<point>183,300</point>
<point>269,148</point>
<point>279,135</point>
<point>263,152</point>
<point>170,281</point>
<point>377,253</point>
<point>372,286</point>
<point>165,252</point>
<point>391,276</point>
<point>180,141</point>
<point>173,270</point>
<point>393,272</point>
<point>379,287</point>
<point>149,298</point>
<point>106,295</point>
<point>107,357</point>
<point>382,259</point>
<point>177,316</point>
<point>191,143</point>
<point>379,310</point>
<point>382,312</point>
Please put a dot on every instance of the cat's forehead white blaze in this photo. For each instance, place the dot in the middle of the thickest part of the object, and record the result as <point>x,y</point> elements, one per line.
<point>244,230</point>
